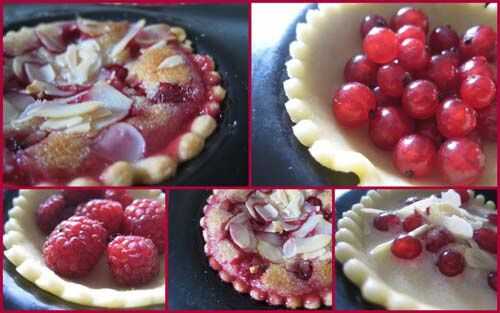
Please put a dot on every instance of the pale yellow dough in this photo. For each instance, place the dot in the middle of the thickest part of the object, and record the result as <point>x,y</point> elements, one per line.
<point>328,39</point>
<point>23,243</point>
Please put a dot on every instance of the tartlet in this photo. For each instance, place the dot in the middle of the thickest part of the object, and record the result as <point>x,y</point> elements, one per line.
<point>373,261</point>
<point>23,242</point>
<point>324,43</point>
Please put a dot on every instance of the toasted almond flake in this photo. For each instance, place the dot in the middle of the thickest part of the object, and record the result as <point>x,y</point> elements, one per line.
<point>59,124</point>
<point>274,227</point>
<point>62,111</point>
<point>271,238</point>
<point>452,198</point>
<point>41,73</point>
<point>308,226</point>
<point>290,248</point>
<point>458,226</point>
<point>270,252</point>
<point>324,227</point>
<point>315,254</point>
<point>171,61</point>
<point>310,244</point>
<point>80,128</point>
<point>239,218</point>
<point>240,235</point>
<point>133,30</point>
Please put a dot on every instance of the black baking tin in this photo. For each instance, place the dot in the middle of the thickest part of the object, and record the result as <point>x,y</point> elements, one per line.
<point>348,295</point>
<point>218,30</point>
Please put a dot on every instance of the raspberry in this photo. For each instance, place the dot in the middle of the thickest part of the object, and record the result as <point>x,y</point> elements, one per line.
<point>121,196</point>
<point>108,212</point>
<point>146,217</point>
<point>75,197</point>
<point>75,246</point>
<point>51,212</point>
<point>133,260</point>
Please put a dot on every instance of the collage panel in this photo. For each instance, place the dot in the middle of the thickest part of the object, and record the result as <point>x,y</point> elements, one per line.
<point>416,249</point>
<point>68,249</point>
<point>374,94</point>
<point>125,95</point>
<point>250,249</point>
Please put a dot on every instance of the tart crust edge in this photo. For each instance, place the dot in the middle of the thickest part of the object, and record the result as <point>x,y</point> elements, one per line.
<point>16,244</point>
<point>347,247</point>
<point>292,302</point>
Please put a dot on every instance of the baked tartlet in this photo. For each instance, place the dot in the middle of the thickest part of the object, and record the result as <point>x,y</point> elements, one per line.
<point>114,103</point>
<point>325,42</point>
<point>421,249</point>
<point>273,244</point>
<point>25,249</point>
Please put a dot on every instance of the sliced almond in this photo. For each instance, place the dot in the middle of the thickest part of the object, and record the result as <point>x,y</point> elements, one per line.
<point>171,61</point>
<point>458,226</point>
<point>324,227</point>
<point>239,218</point>
<point>80,128</point>
<point>270,252</point>
<point>308,226</point>
<point>62,111</point>
<point>452,198</point>
<point>315,254</point>
<point>271,238</point>
<point>294,246</point>
<point>266,212</point>
<point>132,31</point>
<point>242,236</point>
<point>59,124</point>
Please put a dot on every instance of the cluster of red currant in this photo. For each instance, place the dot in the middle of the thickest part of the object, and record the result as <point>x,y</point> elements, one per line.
<point>432,102</point>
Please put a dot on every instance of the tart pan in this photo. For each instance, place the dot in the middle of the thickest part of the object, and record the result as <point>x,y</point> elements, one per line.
<point>192,283</point>
<point>347,294</point>
<point>224,161</point>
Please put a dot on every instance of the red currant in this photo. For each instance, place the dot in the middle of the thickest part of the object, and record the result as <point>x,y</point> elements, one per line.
<point>453,55</point>
<point>487,123</point>
<point>464,195</point>
<point>392,79</point>
<point>428,128</point>
<point>352,104</point>
<point>388,125</point>
<point>386,221</point>
<point>381,45</point>
<point>486,239</point>
<point>451,263</point>
<point>413,54</point>
<point>437,238</point>
<point>420,99</point>
<point>360,69</point>
<point>478,41</point>
<point>410,16</point>
<point>410,31</point>
<point>461,161</point>
<point>492,280</point>
<point>443,38</point>
<point>455,119</point>
<point>414,156</point>
<point>412,222</point>
<point>492,218</point>
<point>406,247</point>
<point>478,91</point>
<point>475,66</point>
<point>384,100</point>
<point>371,21</point>
<point>443,72</point>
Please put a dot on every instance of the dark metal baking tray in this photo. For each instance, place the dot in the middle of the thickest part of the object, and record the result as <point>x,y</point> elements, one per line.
<point>218,30</point>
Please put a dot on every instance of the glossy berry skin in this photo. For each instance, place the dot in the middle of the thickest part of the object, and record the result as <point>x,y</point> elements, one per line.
<point>428,128</point>
<point>360,69</point>
<point>108,212</point>
<point>453,54</point>
<point>386,221</point>
<point>133,260</point>
<point>388,125</point>
<point>371,21</point>
<point>420,99</point>
<point>413,55</point>
<point>352,104</point>
<point>478,91</point>
<point>75,197</point>
<point>381,45</point>
<point>443,38</point>
<point>437,238</point>
<point>487,123</point>
<point>455,118</point>
<point>486,239</point>
<point>451,263</point>
<point>461,161</point>
<point>75,246</point>
<point>384,100</point>
<point>410,31</point>
<point>443,72</point>
<point>51,212</point>
<point>414,156</point>
<point>475,66</point>
<point>406,247</point>
<point>412,222</point>
<point>392,79</point>
<point>146,218</point>
<point>410,16</point>
<point>478,41</point>
<point>119,195</point>
<point>492,280</point>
